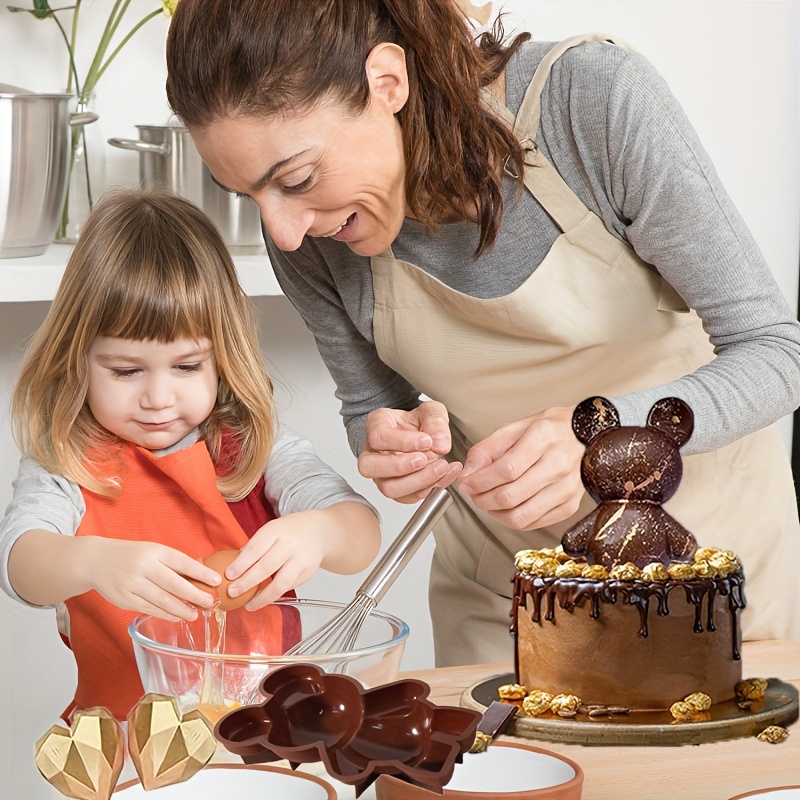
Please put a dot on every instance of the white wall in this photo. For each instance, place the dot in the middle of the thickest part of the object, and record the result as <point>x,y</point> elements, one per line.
<point>734,66</point>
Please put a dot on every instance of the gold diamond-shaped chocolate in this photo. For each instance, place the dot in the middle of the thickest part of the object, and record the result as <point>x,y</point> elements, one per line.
<point>166,747</point>
<point>85,761</point>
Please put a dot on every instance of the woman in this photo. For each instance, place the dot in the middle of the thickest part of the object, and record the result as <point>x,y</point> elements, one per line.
<point>504,273</point>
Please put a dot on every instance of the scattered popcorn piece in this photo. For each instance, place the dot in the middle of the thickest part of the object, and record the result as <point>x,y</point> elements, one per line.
<point>773,734</point>
<point>698,701</point>
<point>537,702</point>
<point>482,741</point>
<point>565,705</point>
<point>511,691</point>
<point>681,711</point>
<point>752,689</point>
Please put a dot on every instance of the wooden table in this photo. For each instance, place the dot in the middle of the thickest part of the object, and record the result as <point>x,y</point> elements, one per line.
<point>714,771</point>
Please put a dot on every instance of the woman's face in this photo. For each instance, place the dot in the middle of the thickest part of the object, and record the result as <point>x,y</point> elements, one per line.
<point>323,172</point>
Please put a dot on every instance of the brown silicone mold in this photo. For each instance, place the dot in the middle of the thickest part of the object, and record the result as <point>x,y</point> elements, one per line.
<point>357,734</point>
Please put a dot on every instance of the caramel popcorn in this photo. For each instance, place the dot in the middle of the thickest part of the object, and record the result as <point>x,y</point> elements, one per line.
<point>725,562</point>
<point>595,572</point>
<point>705,569</point>
<point>561,556</point>
<point>704,553</point>
<point>565,704</point>
<point>482,741</point>
<point>626,572</point>
<point>681,572</point>
<point>569,569</point>
<point>537,702</point>
<point>524,558</point>
<point>773,734</point>
<point>511,691</point>
<point>541,563</point>
<point>698,701</point>
<point>752,689</point>
<point>655,572</point>
<point>682,711</point>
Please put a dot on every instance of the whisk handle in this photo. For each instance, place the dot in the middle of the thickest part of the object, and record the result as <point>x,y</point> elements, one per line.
<point>406,544</point>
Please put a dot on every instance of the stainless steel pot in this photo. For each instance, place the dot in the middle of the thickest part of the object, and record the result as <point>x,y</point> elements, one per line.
<point>168,159</point>
<point>34,167</point>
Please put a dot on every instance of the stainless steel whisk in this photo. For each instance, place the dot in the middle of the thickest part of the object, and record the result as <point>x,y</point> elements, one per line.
<point>340,633</point>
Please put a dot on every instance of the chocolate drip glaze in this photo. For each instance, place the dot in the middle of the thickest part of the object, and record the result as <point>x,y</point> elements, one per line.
<point>572,592</point>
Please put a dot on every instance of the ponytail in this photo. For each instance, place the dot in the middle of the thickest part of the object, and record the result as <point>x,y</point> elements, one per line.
<point>455,146</point>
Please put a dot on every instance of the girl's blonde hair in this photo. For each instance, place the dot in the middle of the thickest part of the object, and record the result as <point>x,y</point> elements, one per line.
<point>148,265</point>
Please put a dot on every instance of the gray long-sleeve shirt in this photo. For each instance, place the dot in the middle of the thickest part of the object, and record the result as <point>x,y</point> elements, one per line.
<point>622,143</point>
<point>295,477</point>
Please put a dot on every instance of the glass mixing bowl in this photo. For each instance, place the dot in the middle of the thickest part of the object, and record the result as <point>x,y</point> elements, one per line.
<point>217,662</point>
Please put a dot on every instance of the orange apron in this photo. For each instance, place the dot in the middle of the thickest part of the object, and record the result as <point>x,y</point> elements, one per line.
<point>171,499</point>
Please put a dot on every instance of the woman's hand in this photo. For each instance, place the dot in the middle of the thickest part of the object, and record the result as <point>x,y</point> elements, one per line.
<point>527,474</point>
<point>146,577</point>
<point>403,451</point>
<point>285,552</point>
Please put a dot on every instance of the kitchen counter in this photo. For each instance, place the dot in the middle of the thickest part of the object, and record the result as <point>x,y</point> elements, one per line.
<point>714,771</point>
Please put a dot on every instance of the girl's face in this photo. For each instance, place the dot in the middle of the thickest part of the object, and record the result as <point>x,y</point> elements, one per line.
<point>322,172</point>
<point>151,393</point>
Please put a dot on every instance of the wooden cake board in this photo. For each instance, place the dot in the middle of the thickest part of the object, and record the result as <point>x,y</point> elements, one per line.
<point>728,721</point>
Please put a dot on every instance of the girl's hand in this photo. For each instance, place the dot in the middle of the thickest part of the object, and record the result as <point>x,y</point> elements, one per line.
<point>287,550</point>
<point>527,474</point>
<point>342,538</point>
<point>403,451</point>
<point>147,577</point>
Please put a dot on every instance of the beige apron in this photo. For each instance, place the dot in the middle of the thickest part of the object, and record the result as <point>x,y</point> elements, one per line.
<point>591,319</point>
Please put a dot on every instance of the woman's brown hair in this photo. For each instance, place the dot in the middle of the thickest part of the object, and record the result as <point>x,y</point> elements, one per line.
<point>147,266</point>
<point>260,57</point>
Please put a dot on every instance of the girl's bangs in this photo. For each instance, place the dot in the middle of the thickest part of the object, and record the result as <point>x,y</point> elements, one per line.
<point>164,308</point>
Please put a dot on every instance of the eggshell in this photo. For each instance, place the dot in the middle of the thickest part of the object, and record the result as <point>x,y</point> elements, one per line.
<point>219,562</point>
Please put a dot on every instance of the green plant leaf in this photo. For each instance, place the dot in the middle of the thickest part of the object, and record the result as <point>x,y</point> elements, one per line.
<point>41,9</point>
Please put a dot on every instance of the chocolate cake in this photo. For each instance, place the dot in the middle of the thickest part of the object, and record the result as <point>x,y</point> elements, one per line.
<point>628,613</point>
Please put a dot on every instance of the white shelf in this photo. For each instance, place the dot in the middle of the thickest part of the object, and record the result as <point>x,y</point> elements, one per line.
<point>36,278</point>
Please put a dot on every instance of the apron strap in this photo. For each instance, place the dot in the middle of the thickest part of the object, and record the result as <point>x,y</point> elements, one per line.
<point>530,111</point>
<point>541,178</point>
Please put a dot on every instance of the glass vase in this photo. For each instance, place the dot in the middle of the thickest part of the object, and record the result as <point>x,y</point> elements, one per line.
<point>87,168</point>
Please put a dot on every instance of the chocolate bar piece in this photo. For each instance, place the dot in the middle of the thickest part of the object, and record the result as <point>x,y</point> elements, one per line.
<point>496,718</point>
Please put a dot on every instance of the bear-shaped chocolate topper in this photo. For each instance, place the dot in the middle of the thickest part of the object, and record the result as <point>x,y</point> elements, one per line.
<point>630,471</point>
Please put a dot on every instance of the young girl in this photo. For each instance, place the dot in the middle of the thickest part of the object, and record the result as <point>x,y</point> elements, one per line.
<point>147,422</point>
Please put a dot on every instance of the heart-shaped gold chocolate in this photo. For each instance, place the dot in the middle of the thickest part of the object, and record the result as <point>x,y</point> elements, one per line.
<point>85,761</point>
<point>166,747</point>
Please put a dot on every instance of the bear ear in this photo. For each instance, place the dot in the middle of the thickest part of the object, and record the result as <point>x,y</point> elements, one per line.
<point>592,416</point>
<point>674,418</point>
